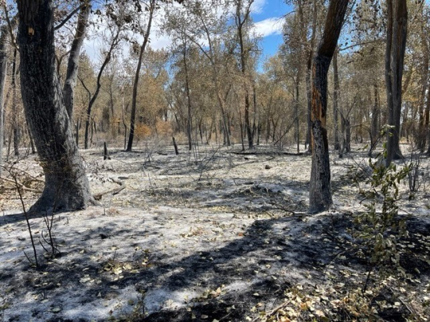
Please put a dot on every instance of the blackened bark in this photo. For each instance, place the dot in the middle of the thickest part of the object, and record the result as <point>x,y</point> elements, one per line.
<point>394,61</point>
<point>66,184</point>
<point>426,121</point>
<point>320,197</point>
<point>137,75</point>
<point>73,62</point>
<point>309,100</point>
<point>175,145</point>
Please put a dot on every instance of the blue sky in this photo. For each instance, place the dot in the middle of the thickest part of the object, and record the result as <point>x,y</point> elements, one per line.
<point>268,17</point>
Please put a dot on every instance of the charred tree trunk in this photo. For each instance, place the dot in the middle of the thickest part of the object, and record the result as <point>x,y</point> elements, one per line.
<point>394,61</point>
<point>309,101</point>
<point>66,184</point>
<point>151,9</point>
<point>73,63</point>
<point>320,197</point>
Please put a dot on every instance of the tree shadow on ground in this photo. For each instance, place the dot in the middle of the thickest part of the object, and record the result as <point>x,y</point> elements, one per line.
<point>224,281</point>
<point>258,261</point>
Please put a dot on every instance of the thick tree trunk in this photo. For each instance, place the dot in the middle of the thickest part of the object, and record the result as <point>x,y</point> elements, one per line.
<point>73,63</point>
<point>137,75</point>
<point>66,184</point>
<point>320,197</point>
<point>394,61</point>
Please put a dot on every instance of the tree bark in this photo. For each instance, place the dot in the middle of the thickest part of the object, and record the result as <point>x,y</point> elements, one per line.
<point>244,52</point>
<point>66,183</point>
<point>375,121</point>
<point>422,135</point>
<point>320,197</point>
<point>189,105</point>
<point>394,61</point>
<point>15,126</point>
<point>73,63</point>
<point>4,39</point>
<point>310,55</point>
<point>137,75</point>
<point>336,102</point>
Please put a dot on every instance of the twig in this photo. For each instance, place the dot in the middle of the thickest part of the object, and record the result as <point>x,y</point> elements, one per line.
<point>28,222</point>
<point>115,191</point>
<point>276,309</point>
<point>21,185</point>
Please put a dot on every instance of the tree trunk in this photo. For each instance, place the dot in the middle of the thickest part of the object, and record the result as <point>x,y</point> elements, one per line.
<point>66,184</point>
<point>151,9</point>
<point>73,63</point>
<point>108,57</point>
<point>320,197</point>
<point>374,130</point>
<point>30,137</point>
<point>296,111</point>
<point>309,76</point>
<point>4,38</point>
<point>309,100</point>
<point>15,126</point>
<point>189,106</point>
<point>336,93</point>
<point>394,61</point>
<point>426,121</point>
<point>422,135</point>
<point>244,53</point>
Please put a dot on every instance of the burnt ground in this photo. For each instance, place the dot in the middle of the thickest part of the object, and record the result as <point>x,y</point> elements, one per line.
<point>213,235</point>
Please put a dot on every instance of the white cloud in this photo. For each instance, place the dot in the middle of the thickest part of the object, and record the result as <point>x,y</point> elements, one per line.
<point>257,6</point>
<point>268,27</point>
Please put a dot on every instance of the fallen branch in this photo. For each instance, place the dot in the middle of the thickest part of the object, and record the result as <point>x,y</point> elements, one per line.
<point>21,185</point>
<point>115,191</point>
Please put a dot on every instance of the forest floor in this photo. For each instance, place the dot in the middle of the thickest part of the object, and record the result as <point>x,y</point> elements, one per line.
<point>209,235</point>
